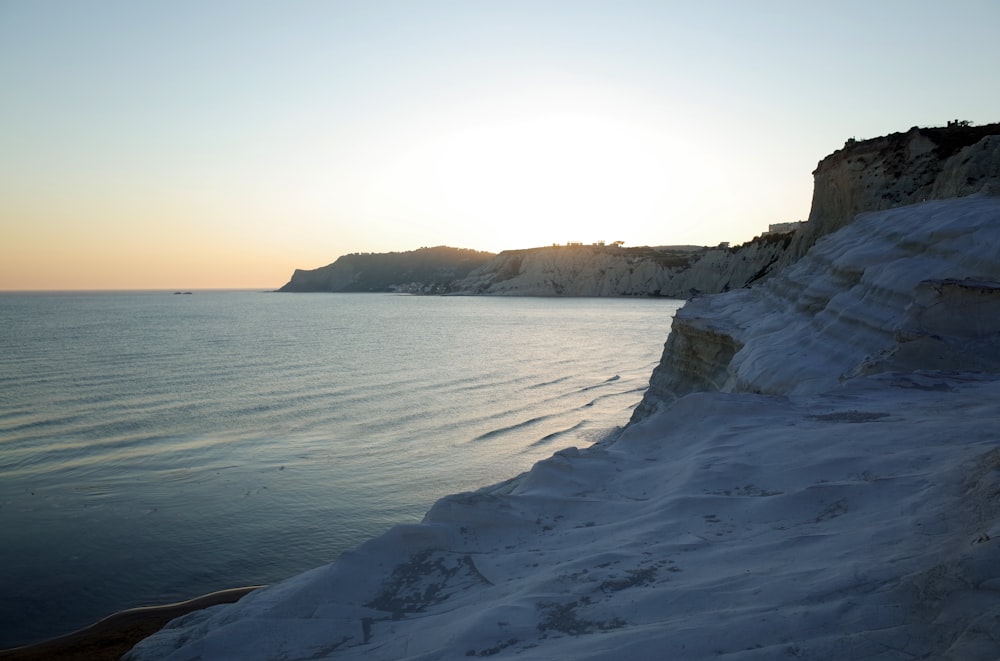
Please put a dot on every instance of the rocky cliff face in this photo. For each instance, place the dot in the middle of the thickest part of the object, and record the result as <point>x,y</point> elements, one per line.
<point>897,170</point>
<point>912,288</point>
<point>612,271</point>
<point>854,285</point>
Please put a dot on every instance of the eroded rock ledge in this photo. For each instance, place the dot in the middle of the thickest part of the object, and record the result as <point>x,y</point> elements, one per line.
<point>906,289</point>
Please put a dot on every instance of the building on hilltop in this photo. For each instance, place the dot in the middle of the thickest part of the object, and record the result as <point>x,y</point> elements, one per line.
<point>784,228</point>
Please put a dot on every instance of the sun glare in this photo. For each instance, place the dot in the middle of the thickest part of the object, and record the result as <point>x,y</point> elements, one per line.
<point>546,178</point>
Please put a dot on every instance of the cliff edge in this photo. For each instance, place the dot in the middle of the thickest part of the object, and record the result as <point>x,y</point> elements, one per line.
<point>716,341</point>
<point>911,288</point>
<point>896,170</point>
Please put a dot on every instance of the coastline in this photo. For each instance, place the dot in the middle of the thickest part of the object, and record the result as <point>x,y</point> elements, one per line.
<point>135,520</point>
<point>110,638</point>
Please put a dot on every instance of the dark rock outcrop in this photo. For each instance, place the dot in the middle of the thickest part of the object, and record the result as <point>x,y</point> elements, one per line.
<point>427,270</point>
<point>896,170</point>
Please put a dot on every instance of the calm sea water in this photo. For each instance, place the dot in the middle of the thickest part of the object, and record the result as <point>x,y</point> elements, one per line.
<point>154,447</point>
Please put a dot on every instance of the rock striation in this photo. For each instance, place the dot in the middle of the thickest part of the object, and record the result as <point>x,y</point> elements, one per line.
<point>896,170</point>
<point>906,289</point>
<point>714,342</point>
<point>613,271</point>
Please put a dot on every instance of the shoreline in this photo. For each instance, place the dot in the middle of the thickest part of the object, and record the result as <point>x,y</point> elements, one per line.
<point>113,636</point>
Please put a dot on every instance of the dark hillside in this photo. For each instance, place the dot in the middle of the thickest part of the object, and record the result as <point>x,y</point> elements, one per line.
<point>422,270</point>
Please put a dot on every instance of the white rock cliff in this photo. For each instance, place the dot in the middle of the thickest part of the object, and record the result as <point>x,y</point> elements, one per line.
<point>878,295</point>
<point>610,271</point>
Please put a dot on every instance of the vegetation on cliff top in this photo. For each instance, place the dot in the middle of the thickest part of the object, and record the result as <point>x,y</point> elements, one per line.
<point>949,139</point>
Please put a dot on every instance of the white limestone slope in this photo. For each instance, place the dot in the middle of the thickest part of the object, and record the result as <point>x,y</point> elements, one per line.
<point>865,299</point>
<point>838,499</point>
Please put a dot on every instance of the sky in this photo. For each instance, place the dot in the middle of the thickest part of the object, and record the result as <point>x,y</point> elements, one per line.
<point>216,144</point>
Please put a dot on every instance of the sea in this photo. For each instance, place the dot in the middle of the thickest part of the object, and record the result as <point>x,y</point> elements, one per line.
<point>156,446</point>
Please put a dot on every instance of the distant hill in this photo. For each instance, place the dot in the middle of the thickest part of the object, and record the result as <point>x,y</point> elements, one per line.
<point>426,270</point>
<point>572,270</point>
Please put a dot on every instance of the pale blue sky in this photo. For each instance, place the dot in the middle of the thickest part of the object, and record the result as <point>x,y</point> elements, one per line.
<point>196,144</point>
